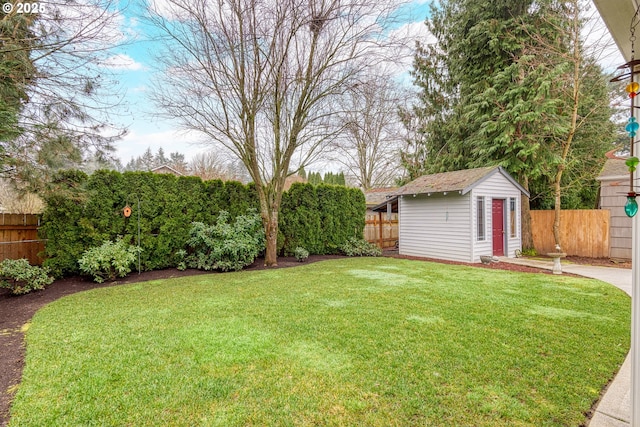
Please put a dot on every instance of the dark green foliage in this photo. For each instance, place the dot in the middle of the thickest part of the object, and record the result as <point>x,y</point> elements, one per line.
<point>330,178</point>
<point>21,278</point>
<point>225,246</point>
<point>108,261</point>
<point>359,247</point>
<point>321,218</point>
<point>16,71</point>
<point>300,219</point>
<point>84,211</point>
<point>494,90</point>
<point>62,223</point>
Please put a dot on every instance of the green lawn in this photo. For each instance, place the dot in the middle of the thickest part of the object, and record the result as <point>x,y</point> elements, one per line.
<point>349,342</point>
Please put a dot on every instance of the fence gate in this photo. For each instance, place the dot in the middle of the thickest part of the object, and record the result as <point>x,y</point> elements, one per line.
<point>381,231</point>
<point>19,237</point>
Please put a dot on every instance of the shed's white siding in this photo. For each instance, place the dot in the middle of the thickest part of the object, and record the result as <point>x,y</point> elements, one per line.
<point>497,187</point>
<point>445,226</point>
<point>435,226</point>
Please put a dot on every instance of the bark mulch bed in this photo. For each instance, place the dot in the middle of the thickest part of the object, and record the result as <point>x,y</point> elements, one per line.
<point>16,311</point>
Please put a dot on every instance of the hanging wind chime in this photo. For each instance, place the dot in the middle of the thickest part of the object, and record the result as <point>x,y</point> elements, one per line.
<point>632,127</point>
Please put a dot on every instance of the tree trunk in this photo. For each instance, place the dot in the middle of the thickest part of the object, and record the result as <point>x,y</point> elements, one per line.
<point>525,210</point>
<point>557,206</point>
<point>271,231</point>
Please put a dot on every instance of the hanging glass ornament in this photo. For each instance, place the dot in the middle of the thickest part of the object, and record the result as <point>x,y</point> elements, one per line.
<point>631,207</point>
<point>632,127</point>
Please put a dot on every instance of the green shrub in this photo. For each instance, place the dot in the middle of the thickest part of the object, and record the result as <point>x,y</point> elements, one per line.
<point>301,254</point>
<point>360,247</point>
<point>21,278</point>
<point>226,246</point>
<point>108,261</point>
<point>182,260</point>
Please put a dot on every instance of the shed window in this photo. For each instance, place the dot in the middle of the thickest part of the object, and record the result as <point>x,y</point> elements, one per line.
<point>513,230</point>
<point>480,217</point>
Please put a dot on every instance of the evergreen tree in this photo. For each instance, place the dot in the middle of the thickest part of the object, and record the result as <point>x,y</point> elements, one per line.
<point>54,105</point>
<point>328,178</point>
<point>492,91</point>
<point>160,158</point>
<point>148,160</point>
<point>16,70</point>
<point>177,161</point>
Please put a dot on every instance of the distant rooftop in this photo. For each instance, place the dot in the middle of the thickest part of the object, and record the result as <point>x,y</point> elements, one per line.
<point>613,168</point>
<point>375,196</point>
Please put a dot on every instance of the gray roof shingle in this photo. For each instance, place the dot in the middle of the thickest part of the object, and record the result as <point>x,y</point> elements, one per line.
<point>461,180</point>
<point>613,168</point>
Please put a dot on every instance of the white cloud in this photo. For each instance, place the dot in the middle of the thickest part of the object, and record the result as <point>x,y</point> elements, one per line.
<point>122,62</point>
<point>139,89</point>
<point>403,55</point>
<point>135,143</point>
<point>415,31</point>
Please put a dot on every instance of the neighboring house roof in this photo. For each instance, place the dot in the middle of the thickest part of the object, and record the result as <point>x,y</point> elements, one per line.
<point>166,169</point>
<point>613,169</point>
<point>461,181</point>
<point>375,196</point>
<point>292,179</point>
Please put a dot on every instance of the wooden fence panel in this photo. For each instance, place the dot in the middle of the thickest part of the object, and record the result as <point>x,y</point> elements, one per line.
<point>19,237</point>
<point>381,231</point>
<point>582,232</point>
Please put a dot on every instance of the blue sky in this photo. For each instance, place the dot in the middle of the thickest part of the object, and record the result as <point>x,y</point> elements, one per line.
<point>133,64</point>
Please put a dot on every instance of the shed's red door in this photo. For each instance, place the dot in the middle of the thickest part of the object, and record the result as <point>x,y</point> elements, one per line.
<point>497,219</point>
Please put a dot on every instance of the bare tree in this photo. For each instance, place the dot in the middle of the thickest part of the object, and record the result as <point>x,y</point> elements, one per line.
<point>209,166</point>
<point>262,78</point>
<point>12,201</point>
<point>369,147</point>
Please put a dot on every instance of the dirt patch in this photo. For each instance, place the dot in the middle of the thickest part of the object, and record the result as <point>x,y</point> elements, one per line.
<point>16,311</point>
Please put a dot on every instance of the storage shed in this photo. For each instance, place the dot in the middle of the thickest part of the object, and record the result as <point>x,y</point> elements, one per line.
<point>459,215</point>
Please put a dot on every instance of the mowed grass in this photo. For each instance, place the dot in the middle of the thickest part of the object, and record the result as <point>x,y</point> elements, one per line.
<point>349,342</point>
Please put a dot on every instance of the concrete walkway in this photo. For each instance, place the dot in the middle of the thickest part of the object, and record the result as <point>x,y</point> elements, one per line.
<point>614,410</point>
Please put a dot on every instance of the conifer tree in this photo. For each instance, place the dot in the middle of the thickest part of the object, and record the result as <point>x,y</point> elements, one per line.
<point>492,91</point>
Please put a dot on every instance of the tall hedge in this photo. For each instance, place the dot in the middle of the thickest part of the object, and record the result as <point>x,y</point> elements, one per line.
<point>167,207</point>
<point>320,218</point>
<point>84,211</point>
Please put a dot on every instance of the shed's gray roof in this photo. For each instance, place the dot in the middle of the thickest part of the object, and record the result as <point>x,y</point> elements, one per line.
<point>613,168</point>
<point>461,181</point>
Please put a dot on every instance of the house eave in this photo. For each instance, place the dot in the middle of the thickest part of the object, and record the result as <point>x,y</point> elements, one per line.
<point>504,173</point>
<point>617,16</point>
<point>612,178</point>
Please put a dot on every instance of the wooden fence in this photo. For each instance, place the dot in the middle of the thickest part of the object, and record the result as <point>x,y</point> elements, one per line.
<point>582,232</point>
<point>381,231</point>
<point>19,237</point>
